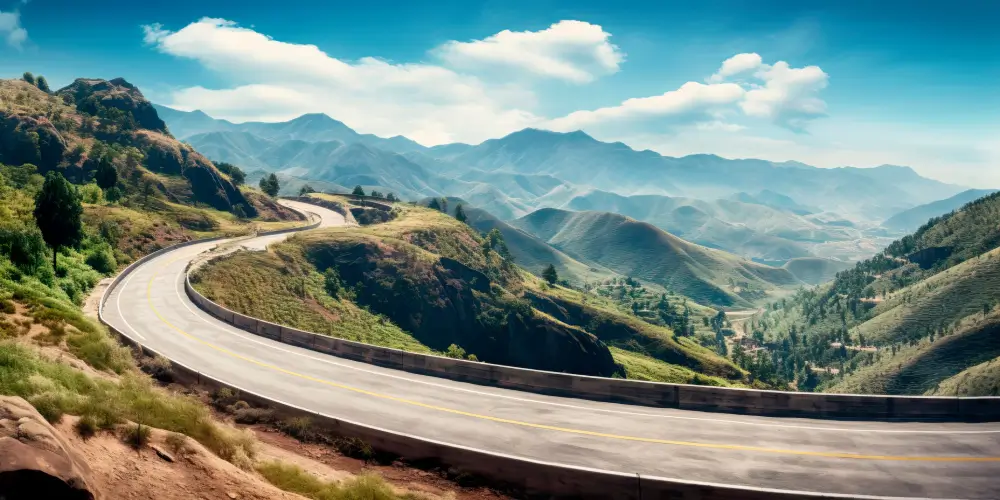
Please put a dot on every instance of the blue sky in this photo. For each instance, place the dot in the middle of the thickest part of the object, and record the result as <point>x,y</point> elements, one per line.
<point>849,83</point>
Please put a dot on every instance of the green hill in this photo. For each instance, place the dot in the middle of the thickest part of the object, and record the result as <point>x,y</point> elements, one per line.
<point>907,321</point>
<point>643,251</point>
<point>910,220</point>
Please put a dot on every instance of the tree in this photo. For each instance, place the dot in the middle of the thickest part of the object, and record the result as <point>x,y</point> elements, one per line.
<point>147,189</point>
<point>240,211</point>
<point>306,190</point>
<point>42,84</point>
<point>391,197</point>
<point>375,194</point>
<point>106,175</point>
<point>269,184</point>
<point>434,204</point>
<point>28,77</point>
<point>444,205</point>
<point>331,281</point>
<point>57,213</point>
<point>550,274</point>
<point>460,213</point>
<point>234,172</point>
<point>358,191</point>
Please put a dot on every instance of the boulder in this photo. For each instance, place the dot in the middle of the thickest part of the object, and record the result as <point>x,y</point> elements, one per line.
<point>35,460</point>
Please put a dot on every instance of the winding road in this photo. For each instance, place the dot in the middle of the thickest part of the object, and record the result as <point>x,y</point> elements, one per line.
<point>906,459</point>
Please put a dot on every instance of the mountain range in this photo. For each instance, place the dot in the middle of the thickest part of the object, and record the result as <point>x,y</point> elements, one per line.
<point>752,208</point>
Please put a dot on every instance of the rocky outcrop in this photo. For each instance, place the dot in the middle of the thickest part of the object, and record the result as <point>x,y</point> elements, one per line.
<point>167,156</point>
<point>29,139</point>
<point>35,460</point>
<point>117,93</point>
<point>442,302</point>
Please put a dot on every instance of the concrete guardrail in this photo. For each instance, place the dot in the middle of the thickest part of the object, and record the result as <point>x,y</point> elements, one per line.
<point>682,396</point>
<point>527,476</point>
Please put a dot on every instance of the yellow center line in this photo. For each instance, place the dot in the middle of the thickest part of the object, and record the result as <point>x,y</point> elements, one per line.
<point>736,447</point>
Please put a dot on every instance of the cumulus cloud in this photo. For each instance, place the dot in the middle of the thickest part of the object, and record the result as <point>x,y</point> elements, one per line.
<point>576,51</point>
<point>782,94</point>
<point>691,101</point>
<point>740,63</point>
<point>278,80</point>
<point>11,30</point>
<point>788,96</point>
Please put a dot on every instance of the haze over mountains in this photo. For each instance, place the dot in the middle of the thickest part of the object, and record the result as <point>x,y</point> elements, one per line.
<point>770,212</point>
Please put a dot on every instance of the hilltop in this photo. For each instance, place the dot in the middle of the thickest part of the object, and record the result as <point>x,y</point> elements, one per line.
<point>918,317</point>
<point>910,220</point>
<point>641,250</point>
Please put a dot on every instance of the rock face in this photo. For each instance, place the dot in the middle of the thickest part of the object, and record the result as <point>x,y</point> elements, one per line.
<point>118,94</point>
<point>444,302</point>
<point>35,461</point>
<point>167,156</point>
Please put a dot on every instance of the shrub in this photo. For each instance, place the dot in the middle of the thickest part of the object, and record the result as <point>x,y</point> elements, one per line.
<point>91,193</point>
<point>50,405</point>
<point>7,307</point>
<point>251,416</point>
<point>158,367</point>
<point>331,281</point>
<point>177,443</point>
<point>298,427</point>
<point>86,427</point>
<point>355,448</point>
<point>294,479</point>
<point>136,435</point>
<point>454,351</point>
<point>102,259</point>
<point>24,246</point>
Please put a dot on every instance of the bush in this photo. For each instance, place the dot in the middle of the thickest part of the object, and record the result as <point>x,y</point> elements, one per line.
<point>86,427</point>
<point>331,281</point>
<point>177,443</point>
<point>102,259</point>
<point>91,193</point>
<point>50,405</point>
<point>7,307</point>
<point>298,427</point>
<point>136,435</point>
<point>24,246</point>
<point>355,448</point>
<point>159,368</point>
<point>454,351</point>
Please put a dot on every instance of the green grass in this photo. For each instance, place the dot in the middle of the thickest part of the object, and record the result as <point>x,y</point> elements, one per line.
<point>641,367</point>
<point>292,478</point>
<point>939,300</point>
<point>266,286</point>
<point>928,365</point>
<point>980,380</point>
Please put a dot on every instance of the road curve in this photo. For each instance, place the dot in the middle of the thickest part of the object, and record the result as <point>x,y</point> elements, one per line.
<point>905,459</point>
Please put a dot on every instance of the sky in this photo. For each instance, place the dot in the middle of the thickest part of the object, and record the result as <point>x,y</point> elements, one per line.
<point>846,83</point>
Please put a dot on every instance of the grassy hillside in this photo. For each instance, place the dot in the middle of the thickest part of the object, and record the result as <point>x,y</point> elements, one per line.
<point>641,250</point>
<point>903,322</point>
<point>429,282</point>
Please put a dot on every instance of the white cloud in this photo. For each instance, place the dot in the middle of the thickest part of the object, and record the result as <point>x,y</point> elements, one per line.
<point>279,80</point>
<point>11,30</point>
<point>740,63</point>
<point>788,96</point>
<point>693,100</point>
<point>576,51</point>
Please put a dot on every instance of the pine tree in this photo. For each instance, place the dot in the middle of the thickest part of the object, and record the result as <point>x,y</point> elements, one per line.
<point>550,275</point>
<point>106,175</point>
<point>42,84</point>
<point>269,184</point>
<point>434,204</point>
<point>28,77</point>
<point>460,213</point>
<point>57,213</point>
<point>358,191</point>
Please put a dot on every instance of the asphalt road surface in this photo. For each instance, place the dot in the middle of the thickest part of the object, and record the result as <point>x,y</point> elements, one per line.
<point>948,460</point>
